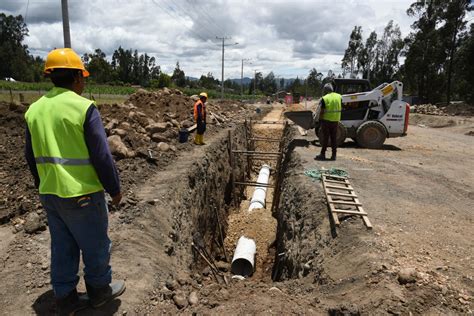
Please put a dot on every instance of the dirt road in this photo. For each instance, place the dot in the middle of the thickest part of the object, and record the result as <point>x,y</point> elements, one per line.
<point>419,193</point>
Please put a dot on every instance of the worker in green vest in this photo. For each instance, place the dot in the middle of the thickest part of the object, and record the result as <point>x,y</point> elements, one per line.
<point>68,155</point>
<point>330,115</point>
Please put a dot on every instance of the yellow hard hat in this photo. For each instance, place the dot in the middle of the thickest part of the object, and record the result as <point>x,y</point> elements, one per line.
<point>203,94</point>
<point>64,58</point>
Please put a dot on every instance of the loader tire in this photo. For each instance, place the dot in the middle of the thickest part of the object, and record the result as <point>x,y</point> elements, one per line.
<point>371,134</point>
<point>340,135</point>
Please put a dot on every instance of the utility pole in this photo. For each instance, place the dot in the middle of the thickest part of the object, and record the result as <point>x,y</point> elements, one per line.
<point>306,93</point>
<point>255,86</point>
<point>66,32</point>
<point>222,81</point>
<point>242,79</point>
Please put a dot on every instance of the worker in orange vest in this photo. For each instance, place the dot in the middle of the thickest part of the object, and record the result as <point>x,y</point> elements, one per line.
<point>200,118</point>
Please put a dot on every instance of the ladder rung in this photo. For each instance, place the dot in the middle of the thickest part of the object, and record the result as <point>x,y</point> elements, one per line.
<point>336,177</point>
<point>334,181</point>
<point>341,194</point>
<point>350,212</point>
<point>340,188</point>
<point>346,203</point>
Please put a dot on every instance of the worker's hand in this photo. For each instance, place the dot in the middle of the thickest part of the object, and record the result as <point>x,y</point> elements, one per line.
<point>116,199</point>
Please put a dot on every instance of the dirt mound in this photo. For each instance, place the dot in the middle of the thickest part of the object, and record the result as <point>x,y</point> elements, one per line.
<point>143,136</point>
<point>454,109</point>
<point>16,184</point>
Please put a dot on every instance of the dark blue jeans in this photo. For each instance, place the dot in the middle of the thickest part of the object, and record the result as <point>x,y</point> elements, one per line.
<point>78,224</point>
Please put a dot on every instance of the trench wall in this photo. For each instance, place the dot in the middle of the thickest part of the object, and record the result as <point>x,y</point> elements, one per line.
<point>208,194</point>
<point>303,226</point>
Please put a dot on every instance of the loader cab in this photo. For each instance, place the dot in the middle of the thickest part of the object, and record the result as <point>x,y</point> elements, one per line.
<point>353,110</point>
<point>349,86</point>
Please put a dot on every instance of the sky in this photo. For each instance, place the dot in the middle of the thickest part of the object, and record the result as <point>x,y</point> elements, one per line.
<point>286,37</point>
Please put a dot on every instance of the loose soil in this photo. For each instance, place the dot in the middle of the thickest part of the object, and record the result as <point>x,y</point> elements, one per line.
<point>418,191</point>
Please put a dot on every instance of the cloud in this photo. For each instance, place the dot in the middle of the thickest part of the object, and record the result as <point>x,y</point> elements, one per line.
<point>286,37</point>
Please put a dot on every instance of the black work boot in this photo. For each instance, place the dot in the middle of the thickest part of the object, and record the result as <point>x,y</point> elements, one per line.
<point>333,156</point>
<point>72,303</point>
<point>102,295</point>
<point>320,157</point>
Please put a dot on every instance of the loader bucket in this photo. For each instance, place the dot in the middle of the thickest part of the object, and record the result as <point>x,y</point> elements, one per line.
<point>301,118</point>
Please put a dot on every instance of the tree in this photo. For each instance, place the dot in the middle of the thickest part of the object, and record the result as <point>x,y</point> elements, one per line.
<point>15,59</point>
<point>350,60</point>
<point>122,64</point>
<point>256,82</point>
<point>208,81</point>
<point>366,58</point>
<point>162,81</point>
<point>99,68</point>
<point>131,67</point>
<point>387,53</point>
<point>464,67</point>
<point>314,82</point>
<point>178,76</point>
<point>296,86</point>
<point>269,85</point>
<point>453,17</point>
<point>424,56</point>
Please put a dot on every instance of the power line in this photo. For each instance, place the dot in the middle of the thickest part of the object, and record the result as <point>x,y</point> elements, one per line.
<point>195,19</point>
<point>173,17</point>
<point>26,11</point>
<point>204,14</point>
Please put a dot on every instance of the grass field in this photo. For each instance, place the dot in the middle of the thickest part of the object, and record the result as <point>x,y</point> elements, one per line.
<point>31,91</point>
<point>32,96</point>
<point>45,86</point>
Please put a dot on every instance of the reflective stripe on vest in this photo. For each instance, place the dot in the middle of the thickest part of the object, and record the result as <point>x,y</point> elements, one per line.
<point>63,161</point>
<point>56,125</point>
<point>333,106</point>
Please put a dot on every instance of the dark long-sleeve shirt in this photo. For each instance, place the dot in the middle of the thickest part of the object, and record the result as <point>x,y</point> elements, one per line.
<point>99,153</point>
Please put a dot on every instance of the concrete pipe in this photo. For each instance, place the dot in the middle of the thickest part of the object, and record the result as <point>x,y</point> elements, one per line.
<point>258,197</point>
<point>244,257</point>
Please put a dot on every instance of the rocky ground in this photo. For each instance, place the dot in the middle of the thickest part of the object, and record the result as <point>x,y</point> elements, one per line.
<point>418,191</point>
<point>143,137</point>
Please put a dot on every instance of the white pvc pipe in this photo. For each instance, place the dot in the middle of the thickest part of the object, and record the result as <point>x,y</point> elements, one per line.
<point>258,197</point>
<point>244,257</point>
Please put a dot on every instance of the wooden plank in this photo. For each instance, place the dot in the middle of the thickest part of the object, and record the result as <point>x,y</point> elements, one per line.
<point>266,139</point>
<point>348,188</point>
<point>333,176</point>
<point>247,145</point>
<point>256,152</point>
<point>346,203</point>
<point>350,212</point>
<point>336,181</point>
<point>341,194</point>
<point>231,160</point>
<point>331,208</point>
<point>365,218</point>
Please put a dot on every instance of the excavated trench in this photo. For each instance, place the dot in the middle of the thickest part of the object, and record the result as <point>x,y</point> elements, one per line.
<point>214,211</point>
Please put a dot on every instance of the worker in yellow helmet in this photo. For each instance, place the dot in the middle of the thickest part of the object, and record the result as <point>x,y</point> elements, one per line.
<point>331,105</point>
<point>200,118</point>
<point>68,155</point>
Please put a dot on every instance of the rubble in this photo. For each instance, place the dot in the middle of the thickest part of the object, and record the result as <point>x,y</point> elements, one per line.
<point>125,124</point>
<point>457,109</point>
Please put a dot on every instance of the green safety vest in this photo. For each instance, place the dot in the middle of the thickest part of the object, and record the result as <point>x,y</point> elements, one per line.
<point>333,103</point>
<point>56,125</point>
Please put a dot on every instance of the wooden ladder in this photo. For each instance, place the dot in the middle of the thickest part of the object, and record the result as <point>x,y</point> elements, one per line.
<point>342,194</point>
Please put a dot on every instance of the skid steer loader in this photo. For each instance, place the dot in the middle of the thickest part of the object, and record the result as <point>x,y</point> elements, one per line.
<point>367,117</point>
